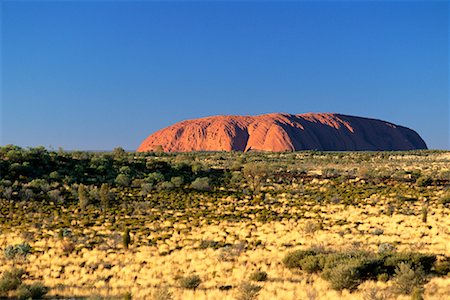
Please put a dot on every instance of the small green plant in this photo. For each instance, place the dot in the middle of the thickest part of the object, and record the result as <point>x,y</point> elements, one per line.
<point>190,282</point>
<point>248,291</point>
<point>201,184</point>
<point>259,276</point>
<point>126,239</point>
<point>292,259</point>
<point>424,181</point>
<point>19,250</point>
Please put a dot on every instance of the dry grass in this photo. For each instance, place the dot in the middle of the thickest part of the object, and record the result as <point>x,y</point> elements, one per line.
<point>165,250</point>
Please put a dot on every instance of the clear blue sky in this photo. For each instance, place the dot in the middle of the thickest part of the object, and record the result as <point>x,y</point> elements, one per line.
<point>96,74</point>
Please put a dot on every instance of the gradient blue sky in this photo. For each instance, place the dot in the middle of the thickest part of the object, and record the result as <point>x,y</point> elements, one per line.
<point>100,74</point>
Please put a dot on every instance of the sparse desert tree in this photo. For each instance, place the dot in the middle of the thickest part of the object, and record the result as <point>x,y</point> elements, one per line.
<point>105,196</point>
<point>255,174</point>
<point>119,153</point>
<point>83,197</point>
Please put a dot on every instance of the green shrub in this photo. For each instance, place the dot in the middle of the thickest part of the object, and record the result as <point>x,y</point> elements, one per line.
<point>424,181</point>
<point>177,181</point>
<point>33,291</point>
<point>348,272</point>
<point>292,259</point>
<point>342,277</point>
<point>201,184</point>
<point>406,279</point>
<point>190,282</point>
<point>123,180</point>
<point>11,280</point>
<point>413,259</point>
<point>83,197</point>
<point>311,264</point>
<point>166,185</point>
<point>442,267</point>
<point>258,276</point>
<point>248,291</point>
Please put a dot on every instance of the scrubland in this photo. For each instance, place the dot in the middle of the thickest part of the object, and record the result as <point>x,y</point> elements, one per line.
<point>302,225</point>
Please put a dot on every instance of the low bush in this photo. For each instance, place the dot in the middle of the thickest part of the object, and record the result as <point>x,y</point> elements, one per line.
<point>259,276</point>
<point>346,270</point>
<point>407,279</point>
<point>11,280</point>
<point>190,282</point>
<point>201,184</point>
<point>415,260</point>
<point>292,259</point>
<point>424,181</point>
<point>248,291</point>
<point>33,291</point>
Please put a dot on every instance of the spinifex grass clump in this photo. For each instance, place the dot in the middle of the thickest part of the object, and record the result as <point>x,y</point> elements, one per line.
<point>346,270</point>
<point>19,250</point>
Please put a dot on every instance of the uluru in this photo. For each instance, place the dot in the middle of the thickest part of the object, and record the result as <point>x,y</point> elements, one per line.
<point>283,132</point>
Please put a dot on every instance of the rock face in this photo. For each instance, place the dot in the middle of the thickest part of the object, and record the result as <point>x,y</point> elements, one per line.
<point>283,132</point>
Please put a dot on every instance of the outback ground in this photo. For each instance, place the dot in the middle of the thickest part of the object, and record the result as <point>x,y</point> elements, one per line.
<point>302,225</point>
